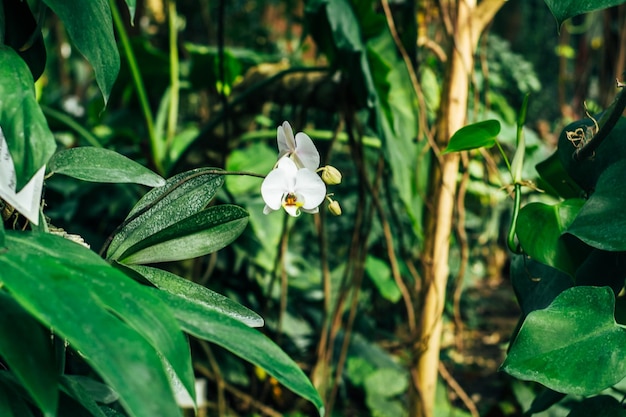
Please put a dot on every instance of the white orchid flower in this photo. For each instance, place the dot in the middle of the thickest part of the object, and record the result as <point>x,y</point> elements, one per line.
<point>301,148</point>
<point>292,188</point>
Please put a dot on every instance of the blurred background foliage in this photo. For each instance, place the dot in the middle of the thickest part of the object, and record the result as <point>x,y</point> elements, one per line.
<point>330,288</point>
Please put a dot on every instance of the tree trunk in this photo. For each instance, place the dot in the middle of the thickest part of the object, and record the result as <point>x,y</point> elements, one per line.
<point>468,22</point>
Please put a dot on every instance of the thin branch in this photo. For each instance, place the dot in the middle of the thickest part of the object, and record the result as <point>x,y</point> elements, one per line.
<point>452,383</point>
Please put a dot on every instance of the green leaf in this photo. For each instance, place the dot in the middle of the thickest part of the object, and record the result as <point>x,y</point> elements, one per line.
<point>257,157</point>
<point>477,135</point>
<point>73,387</point>
<point>558,346</point>
<point>198,295</point>
<point>197,235</point>
<point>131,8</point>
<point>387,382</point>
<point>380,274</point>
<point>602,405</point>
<point>102,165</point>
<point>539,229</point>
<point>57,282</point>
<point>12,404</point>
<point>21,33</point>
<point>25,128</point>
<point>244,342</point>
<point>90,27</point>
<point>181,196</point>
<point>26,348</point>
<point>601,222</point>
<point>555,180</point>
<point>564,9</point>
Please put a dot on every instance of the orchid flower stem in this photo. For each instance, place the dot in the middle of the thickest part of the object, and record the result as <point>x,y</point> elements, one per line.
<point>506,160</point>
<point>513,246</point>
<point>71,123</point>
<point>168,192</point>
<point>142,96</point>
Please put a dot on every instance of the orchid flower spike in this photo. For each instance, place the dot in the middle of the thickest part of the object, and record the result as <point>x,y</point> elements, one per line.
<point>299,148</point>
<point>294,189</point>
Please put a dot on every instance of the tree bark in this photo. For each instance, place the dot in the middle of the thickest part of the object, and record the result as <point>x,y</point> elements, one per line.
<point>468,21</point>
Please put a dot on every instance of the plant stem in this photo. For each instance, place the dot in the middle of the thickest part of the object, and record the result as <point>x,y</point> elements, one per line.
<point>155,145</point>
<point>69,122</point>
<point>514,247</point>
<point>172,117</point>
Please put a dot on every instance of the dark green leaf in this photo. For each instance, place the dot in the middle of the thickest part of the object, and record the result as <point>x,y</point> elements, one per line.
<point>477,135</point>
<point>90,27</point>
<point>181,196</point>
<point>73,387</point>
<point>558,346</point>
<point>12,404</point>
<point>23,35</point>
<point>555,180</point>
<point>601,222</point>
<point>243,341</point>
<point>602,268</point>
<point>197,235</point>
<point>544,400</point>
<point>25,128</point>
<point>564,9</point>
<point>26,348</point>
<point>56,281</point>
<point>602,405</point>
<point>198,295</point>
<point>102,165</point>
<point>539,229</point>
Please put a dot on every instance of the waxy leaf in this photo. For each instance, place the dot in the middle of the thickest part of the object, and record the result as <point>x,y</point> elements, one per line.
<point>90,27</point>
<point>196,294</point>
<point>601,405</point>
<point>601,222</point>
<point>25,346</point>
<point>12,404</point>
<point>68,288</point>
<point>25,128</point>
<point>102,165</point>
<point>573,346</point>
<point>539,230</point>
<point>243,341</point>
<point>181,196</point>
<point>477,135</point>
<point>72,387</point>
<point>564,9</point>
<point>555,180</point>
<point>199,234</point>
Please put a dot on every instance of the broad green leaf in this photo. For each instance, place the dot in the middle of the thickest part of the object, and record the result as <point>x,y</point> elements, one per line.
<point>601,222</point>
<point>555,180</point>
<point>90,27</point>
<point>380,274</point>
<point>21,33</point>
<point>72,387</point>
<point>27,350</point>
<point>102,165</point>
<point>181,196</point>
<point>560,345</point>
<point>199,234</point>
<point>603,268</point>
<point>55,280</point>
<point>25,128</point>
<point>12,404</point>
<point>477,135</point>
<point>257,157</point>
<point>387,382</point>
<point>199,295</point>
<point>539,230</point>
<point>565,9</point>
<point>243,341</point>
<point>602,405</point>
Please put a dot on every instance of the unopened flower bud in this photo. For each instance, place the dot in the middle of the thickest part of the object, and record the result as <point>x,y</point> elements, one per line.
<point>331,175</point>
<point>334,208</point>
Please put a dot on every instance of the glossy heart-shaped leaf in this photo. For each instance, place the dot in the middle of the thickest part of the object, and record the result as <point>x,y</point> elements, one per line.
<point>57,282</point>
<point>102,165</point>
<point>181,196</point>
<point>565,9</point>
<point>601,222</point>
<point>25,346</point>
<point>477,135</point>
<point>539,230</point>
<point>554,178</point>
<point>199,234</point>
<point>559,345</point>
<point>200,296</point>
<point>90,27</point>
<point>25,128</point>
<point>243,341</point>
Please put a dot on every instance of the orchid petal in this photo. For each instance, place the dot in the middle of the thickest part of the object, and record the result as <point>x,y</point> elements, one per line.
<point>293,211</point>
<point>311,187</point>
<point>286,141</point>
<point>306,152</point>
<point>274,186</point>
